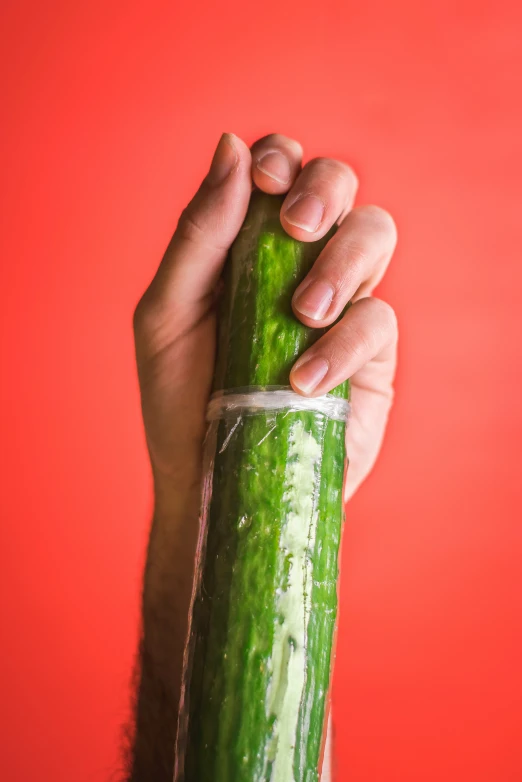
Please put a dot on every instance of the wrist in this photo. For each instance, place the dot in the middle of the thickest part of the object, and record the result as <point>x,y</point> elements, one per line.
<point>172,542</point>
<point>177,491</point>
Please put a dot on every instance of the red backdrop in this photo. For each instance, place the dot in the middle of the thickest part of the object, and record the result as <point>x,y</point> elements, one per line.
<point>111,111</point>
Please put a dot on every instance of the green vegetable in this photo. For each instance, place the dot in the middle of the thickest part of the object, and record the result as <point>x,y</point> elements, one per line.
<point>264,614</point>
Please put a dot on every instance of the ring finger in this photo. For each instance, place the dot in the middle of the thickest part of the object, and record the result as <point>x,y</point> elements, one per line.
<point>349,267</point>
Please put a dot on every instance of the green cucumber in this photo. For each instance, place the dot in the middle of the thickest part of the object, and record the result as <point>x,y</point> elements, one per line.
<point>264,611</point>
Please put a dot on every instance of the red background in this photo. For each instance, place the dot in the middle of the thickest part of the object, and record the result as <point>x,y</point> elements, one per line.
<point>111,111</point>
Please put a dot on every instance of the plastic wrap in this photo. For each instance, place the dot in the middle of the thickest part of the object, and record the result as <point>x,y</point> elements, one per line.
<point>278,669</point>
<point>262,399</point>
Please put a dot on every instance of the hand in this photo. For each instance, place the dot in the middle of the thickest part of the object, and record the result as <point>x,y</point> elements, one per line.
<point>175,325</point>
<point>175,319</point>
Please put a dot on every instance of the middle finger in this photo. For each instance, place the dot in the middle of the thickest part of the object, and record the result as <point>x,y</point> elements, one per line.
<point>324,190</point>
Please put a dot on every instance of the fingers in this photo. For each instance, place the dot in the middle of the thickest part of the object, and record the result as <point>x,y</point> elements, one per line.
<point>319,195</point>
<point>276,162</point>
<point>185,281</point>
<point>323,191</point>
<point>349,267</point>
<point>367,333</point>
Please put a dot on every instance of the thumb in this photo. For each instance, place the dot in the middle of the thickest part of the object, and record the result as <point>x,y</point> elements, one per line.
<point>184,283</point>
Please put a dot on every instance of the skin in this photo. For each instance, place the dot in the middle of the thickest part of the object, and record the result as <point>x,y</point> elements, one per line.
<point>175,325</point>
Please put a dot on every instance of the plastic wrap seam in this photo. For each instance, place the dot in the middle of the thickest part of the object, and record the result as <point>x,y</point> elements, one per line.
<point>253,400</point>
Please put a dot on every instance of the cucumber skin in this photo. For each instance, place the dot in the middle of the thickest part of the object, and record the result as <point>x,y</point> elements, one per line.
<point>236,612</point>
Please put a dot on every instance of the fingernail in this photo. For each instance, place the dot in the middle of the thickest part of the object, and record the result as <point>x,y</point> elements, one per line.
<point>306,213</point>
<point>314,301</point>
<point>224,160</point>
<point>275,165</point>
<point>308,375</point>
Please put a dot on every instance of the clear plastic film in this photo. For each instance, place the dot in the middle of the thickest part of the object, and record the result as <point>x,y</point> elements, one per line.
<point>261,399</point>
<point>260,646</point>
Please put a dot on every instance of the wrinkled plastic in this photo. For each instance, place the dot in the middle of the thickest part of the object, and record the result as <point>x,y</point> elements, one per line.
<point>253,400</point>
<point>293,632</point>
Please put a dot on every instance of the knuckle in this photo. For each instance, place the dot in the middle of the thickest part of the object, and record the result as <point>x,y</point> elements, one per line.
<point>388,312</point>
<point>277,140</point>
<point>363,333</point>
<point>269,138</point>
<point>357,258</point>
<point>380,220</point>
<point>384,314</point>
<point>203,226</point>
<point>345,266</point>
<point>348,264</point>
<point>349,344</point>
<point>189,226</point>
<point>330,168</point>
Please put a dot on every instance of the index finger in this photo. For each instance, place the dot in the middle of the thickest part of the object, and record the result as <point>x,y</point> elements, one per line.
<point>276,162</point>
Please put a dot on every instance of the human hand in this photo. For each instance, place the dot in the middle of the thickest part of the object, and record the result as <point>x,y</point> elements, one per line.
<point>175,320</point>
<point>175,333</point>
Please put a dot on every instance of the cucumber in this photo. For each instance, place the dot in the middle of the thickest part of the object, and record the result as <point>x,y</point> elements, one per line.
<point>259,656</point>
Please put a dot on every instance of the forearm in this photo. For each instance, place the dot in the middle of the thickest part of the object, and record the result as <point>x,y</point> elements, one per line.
<point>166,599</point>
